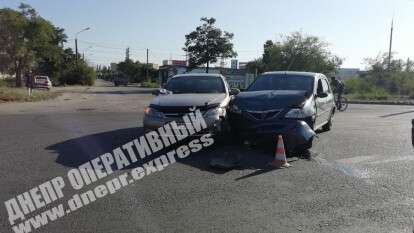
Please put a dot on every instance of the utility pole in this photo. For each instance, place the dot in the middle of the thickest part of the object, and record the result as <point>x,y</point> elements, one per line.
<point>146,68</point>
<point>76,51</point>
<point>390,48</point>
<point>127,54</point>
<point>76,44</point>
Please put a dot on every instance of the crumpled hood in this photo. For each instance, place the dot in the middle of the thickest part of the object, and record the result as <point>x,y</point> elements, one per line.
<point>267,100</point>
<point>181,100</point>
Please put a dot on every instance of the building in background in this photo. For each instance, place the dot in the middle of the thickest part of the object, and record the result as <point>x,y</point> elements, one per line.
<point>153,66</point>
<point>234,64</point>
<point>114,66</point>
<point>236,78</point>
<point>242,65</point>
<point>237,75</point>
<point>4,76</point>
<point>167,70</point>
<point>174,62</point>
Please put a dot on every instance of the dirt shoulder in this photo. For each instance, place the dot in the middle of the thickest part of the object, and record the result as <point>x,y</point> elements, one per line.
<point>103,97</point>
<point>11,94</point>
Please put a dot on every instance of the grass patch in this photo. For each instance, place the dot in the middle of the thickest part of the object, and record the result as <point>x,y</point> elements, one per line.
<point>150,85</point>
<point>8,82</point>
<point>9,94</point>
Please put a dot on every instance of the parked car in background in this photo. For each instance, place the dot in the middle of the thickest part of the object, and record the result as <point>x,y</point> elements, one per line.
<point>292,104</point>
<point>121,79</point>
<point>41,81</point>
<point>208,92</point>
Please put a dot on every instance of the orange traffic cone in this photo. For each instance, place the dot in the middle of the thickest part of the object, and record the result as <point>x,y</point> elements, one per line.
<point>279,160</point>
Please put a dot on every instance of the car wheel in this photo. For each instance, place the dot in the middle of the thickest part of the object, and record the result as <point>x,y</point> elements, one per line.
<point>303,150</point>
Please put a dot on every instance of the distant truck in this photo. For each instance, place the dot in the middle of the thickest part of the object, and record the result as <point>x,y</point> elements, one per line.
<point>120,79</point>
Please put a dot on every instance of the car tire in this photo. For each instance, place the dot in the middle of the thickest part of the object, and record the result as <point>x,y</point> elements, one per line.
<point>303,150</point>
<point>307,145</point>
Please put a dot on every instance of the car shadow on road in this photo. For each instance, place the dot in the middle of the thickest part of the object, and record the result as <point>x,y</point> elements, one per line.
<point>220,159</point>
<point>77,151</point>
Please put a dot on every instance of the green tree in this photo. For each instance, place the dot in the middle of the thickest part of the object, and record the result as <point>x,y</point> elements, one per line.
<point>14,42</point>
<point>136,71</point>
<point>296,52</point>
<point>79,73</point>
<point>383,79</point>
<point>207,43</point>
<point>27,41</point>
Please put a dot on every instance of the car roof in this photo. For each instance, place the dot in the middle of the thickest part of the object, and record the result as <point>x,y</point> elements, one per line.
<point>294,73</point>
<point>198,74</point>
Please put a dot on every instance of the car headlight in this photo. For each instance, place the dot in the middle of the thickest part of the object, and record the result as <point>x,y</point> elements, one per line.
<point>215,112</point>
<point>297,113</point>
<point>307,110</point>
<point>153,112</point>
<point>235,109</point>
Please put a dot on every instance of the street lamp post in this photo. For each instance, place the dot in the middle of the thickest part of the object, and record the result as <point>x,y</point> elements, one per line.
<point>76,43</point>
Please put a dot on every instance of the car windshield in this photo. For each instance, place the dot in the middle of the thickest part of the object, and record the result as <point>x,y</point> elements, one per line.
<point>195,84</point>
<point>282,82</point>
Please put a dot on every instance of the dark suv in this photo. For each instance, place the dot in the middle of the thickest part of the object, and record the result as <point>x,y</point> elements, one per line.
<point>293,104</point>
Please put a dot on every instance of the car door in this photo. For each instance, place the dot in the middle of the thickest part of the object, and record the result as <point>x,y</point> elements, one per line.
<point>330,102</point>
<point>321,103</point>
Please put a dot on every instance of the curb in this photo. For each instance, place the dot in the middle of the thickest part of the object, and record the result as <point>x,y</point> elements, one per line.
<point>380,102</point>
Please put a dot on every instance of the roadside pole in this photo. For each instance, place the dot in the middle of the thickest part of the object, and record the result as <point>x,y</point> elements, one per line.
<point>146,69</point>
<point>76,51</point>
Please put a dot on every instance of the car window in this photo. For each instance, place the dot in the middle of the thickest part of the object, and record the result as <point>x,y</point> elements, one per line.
<point>282,82</point>
<point>196,84</point>
<point>327,87</point>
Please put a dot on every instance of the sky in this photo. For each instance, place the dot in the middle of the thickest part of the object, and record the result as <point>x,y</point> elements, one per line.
<point>354,29</point>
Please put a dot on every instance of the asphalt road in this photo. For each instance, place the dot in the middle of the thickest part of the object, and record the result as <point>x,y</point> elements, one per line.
<point>360,177</point>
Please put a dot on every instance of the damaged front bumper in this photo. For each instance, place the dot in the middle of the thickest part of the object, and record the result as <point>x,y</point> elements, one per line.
<point>214,124</point>
<point>297,134</point>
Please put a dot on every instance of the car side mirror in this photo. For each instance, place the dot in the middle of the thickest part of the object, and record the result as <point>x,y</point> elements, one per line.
<point>234,91</point>
<point>160,91</point>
